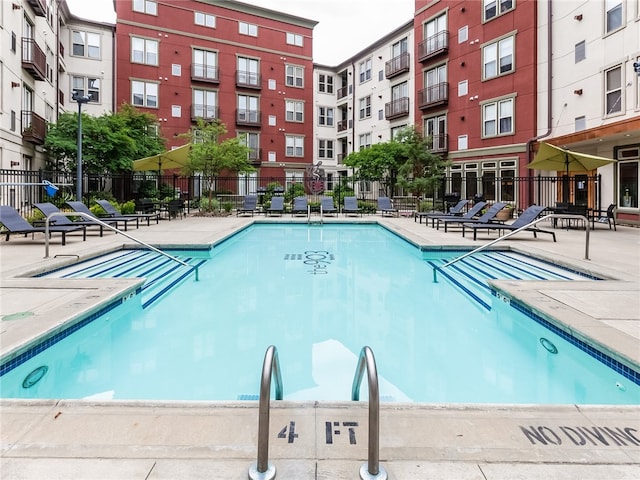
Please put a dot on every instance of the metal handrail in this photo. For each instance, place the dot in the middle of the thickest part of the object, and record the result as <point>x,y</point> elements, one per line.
<point>117,230</point>
<point>517,230</point>
<point>262,469</point>
<point>371,469</point>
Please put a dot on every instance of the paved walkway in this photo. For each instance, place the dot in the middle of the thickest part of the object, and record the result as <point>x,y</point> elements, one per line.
<point>162,440</point>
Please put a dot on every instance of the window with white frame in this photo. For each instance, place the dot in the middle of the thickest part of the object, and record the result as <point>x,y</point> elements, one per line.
<point>248,110</point>
<point>325,116</point>
<point>325,149</point>
<point>176,69</point>
<point>497,58</point>
<point>86,86</point>
<point>495,8</point>
<point>176,111</point>
<point>497,118</point>
<point>364,140</point>
<point>580,123</point>
<point>205,19</point>
<point>144,94</point>
<point>294,111</point>
<point>248,69</point>
<point>294,146</point>
<point>205,64</point>
<point>144,50</point>
<point>613,15</point>
<point>364,107</point>
<point>145,6</point>
<point>463,142</point>
<point>325,83</point>
<point>294,76</point>
<point>85,44</point>
<point>463,88</point>
<point>463,34</point>
<point>251,140</point>
<point>580,51</point>
<point>395,131</point>
<point>613,90</point>
<point>295,39</point>
<point>435,129</point>
<point>364,69</point>
<point>205,103</point>
<point>248,29</point>
<point>434,33</point>
<point>399,48</point>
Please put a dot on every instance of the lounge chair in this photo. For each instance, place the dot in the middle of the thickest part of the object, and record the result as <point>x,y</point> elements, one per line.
<point>486,217</point>
<point>82,208</point>
<point>386,208</point>
<point>249,205</point>
<point>48,208</point>
<point>276,207</point>
<point>327,207</point>
<point>300,206</point>
<point>112,212</point>
<point>351,206</point>
<point>13,223</point>
<point>525,218</point>
<point>457,210</point>
<point>604,216</point>
<point>471,213</point>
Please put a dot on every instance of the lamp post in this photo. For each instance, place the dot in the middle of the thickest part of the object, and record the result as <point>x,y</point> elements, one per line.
<point>80,99</point>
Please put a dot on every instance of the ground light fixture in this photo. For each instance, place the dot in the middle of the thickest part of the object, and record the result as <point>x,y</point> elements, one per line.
<point>80,99</point>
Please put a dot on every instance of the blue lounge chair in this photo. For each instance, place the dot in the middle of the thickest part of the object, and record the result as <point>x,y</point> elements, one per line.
<point>48,208</point>
<point>386,208</point>
<point>249,205</point>
<point>525,218</point>
<point>276,207</point>
<point>473,211</point>
<point>351,206</point>
<point>327,207</point>
<point>113,212</point>
<point>457,209</point>
<point>13,223</point>
<point>82,208</point>
<point>486,217</point>
<point>300,206</point>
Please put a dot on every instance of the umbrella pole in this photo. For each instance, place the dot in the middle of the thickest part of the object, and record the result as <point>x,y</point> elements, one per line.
<point>565,183</point>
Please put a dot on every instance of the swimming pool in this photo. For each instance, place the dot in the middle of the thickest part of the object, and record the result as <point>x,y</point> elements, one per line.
<point>319,293</point>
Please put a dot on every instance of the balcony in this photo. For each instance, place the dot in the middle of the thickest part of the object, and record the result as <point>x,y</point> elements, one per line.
<point>342,125</point>
<point>39,7</point>
<point>255,156</point>
<point>434,95</point>
<point>397,65</point>
<point>34,127</point>
<point>433,46</point>
<point>206,112</point>
<point>249,118</point>
<point>439,143</point>
<point>34,60</point>
<point>204,73</point>
<point>397,108</point>
<point>248,80</point>
<point>342,92</point>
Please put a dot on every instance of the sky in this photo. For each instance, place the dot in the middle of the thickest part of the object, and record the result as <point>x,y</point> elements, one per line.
<point>345,26</point>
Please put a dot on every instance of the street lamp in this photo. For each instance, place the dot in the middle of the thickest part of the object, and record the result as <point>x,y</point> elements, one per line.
<point>80,99</point>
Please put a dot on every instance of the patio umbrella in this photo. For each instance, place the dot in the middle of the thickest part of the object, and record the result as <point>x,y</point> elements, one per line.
<point>176,158</point>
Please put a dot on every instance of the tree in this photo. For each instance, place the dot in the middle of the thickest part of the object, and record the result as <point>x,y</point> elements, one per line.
<point>210,155</point>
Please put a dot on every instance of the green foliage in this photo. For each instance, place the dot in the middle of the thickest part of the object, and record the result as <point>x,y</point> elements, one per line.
<point>227,206</point>
<point>147,189</point>
<point>294,190</point>
<point>209,204</point>
<point>127,208</point>
<point>340,191</point>
<point>425,206</point>
<point>97,210</point>
<point>166,191</point>
<point>270,190</point>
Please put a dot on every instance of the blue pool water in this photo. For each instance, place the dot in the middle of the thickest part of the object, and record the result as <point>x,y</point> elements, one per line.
<point>319,293</point>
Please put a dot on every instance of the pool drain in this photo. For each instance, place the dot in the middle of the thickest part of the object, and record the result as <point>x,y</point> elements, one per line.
<point>548,345</point>
<point>35,376</point>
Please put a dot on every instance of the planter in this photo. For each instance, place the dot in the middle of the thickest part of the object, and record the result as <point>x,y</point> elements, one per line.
<point>505,214</point>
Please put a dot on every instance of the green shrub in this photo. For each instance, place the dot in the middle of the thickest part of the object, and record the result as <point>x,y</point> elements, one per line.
<point>207,205</point>
<point>128,208</point>
<point>227,206</point>
<point>295,190</point>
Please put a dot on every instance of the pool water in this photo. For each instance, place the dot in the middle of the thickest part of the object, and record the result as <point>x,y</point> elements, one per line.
<point>319,293</point>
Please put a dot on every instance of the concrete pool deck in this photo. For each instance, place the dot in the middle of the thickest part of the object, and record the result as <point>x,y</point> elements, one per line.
<point>163,440</point>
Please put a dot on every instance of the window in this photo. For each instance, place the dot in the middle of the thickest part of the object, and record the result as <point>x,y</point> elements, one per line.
<point>435,34</point>
<point>325,148</point>
<point>491,8</point>
<point>365,107</point>
<point>628,173</point>
<point>364,141</point>
<point>435,128</point>
<point>613,14</point>
<point>205,19</point>
<point>580,123</point>
<point>251,140</point>
<point>145,6</point>
<point>144,51</point>
<point>85,44</point>
<point>12,122</point>
<point>498,58</point>
<point>144,94</point>
<point>497,118</point>
<point>248,110</point>
<point>176,69</point>
<point>365,70</point>
<point>325,83</point>
<point>294,39</point>
<point>580,51</point>
<point>294,76</point>
<point>272,120</point>
<point>399,48</point>
<point>176,111</point>
<point>325,116</point>
<point>613,90</point>
<point>463,142</point>
<point>205,64</point>
<point>13,42</point>
<point>86,86</point>
<point>294,146</point>
<point>248,69</point>
<point>248,29</point>
<point>463,34</point>
<point>463,88</point>
<point>205,103</point>
<point>294,111</point>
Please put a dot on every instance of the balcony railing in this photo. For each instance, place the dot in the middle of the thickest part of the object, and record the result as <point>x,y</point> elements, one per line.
<point>439,143</point>
<point>434,95</point>
<point>433,45</point>
<point>397,65</point>
<point>248,80</point>
<point>206,112</point>
<point>33,59</point>
<point>39,7</point>
<point>342,125</point>
<point>342,92</point>
<point>248,117</point>
<point>204,73</point>
<point>397,108</point>
<point>255,156</point>
<point>34,127</point>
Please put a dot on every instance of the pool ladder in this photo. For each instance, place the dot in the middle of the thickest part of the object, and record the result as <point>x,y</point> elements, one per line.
<point>370,470</point>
